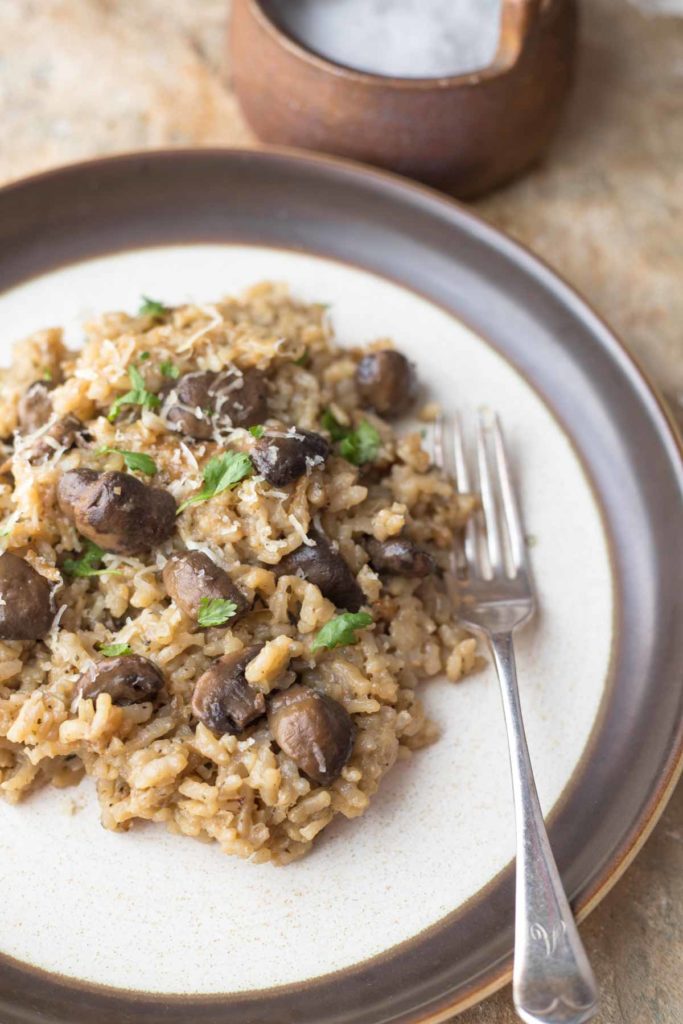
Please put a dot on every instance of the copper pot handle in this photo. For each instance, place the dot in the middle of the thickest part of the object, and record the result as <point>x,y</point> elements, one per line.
<point>518,19</point>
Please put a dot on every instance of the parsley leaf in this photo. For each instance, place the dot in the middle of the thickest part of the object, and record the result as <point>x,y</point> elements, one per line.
<point>151,307</point>
<point>87,564</point>
<point>215,611</point>
<point>169,369</point>
<point>114,650</point>
<point>341,630</point>
<point>138,395</point>
<point>357,446</point>
<point>304,359</point>
<point>258,430</point>
<point>133,460</point>
<point>360,445</point>
<point>335,429</point>
<point>221,473</point>
<point>144,356</point>
<point>47,375</point>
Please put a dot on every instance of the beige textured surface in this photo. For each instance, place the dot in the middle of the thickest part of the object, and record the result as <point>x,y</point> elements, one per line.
<point>86,77</point>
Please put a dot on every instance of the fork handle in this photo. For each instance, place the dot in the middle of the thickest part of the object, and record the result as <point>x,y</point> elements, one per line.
<point>552,980</point>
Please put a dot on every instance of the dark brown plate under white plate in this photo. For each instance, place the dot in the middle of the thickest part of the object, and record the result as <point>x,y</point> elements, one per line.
<point>454,266</point>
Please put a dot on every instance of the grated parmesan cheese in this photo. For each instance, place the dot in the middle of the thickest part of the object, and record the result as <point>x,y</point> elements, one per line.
<point>216,321</point>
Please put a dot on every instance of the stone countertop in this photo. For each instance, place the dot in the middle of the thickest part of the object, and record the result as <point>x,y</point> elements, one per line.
<point>80,78</point>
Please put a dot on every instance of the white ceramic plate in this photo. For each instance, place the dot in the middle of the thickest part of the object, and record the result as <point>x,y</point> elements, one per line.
<point>404,914</point>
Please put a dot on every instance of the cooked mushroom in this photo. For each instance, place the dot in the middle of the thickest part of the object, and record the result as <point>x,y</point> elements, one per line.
<point>387,381</point>
<point>200,401</point>
<point>239,399</point>
<point>192,405</point>
<point>400,557</point>
<point>116,510</point>
<point>281,460</point>
<point>25,606</point>
<point>35,407</point>
<point>321,564</point>
<point>191,576</point>
<point>62,434</point>
<point>128,679</point>
<point>314,730</point>
<point>223,699</point>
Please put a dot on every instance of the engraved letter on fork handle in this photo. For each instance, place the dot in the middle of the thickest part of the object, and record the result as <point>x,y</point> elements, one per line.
<point>553,982</point>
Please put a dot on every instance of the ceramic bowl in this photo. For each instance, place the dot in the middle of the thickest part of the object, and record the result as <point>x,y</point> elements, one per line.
<point>468,133</point>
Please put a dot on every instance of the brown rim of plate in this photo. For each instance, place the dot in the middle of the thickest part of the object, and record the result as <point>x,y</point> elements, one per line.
<point>624,436</point>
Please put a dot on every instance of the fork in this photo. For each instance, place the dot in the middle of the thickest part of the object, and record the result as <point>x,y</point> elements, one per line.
<point>552,979</point>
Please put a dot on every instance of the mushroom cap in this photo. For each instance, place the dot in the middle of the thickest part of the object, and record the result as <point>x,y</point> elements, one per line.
<point>282,460</point>
<point>116,510</point>
<point>223,700</point>
<point>203,399</point>
<point>313,729</point>
<point>62,432</point>
<point>387,382</point>
<point>322,565</point>
<point>25,600</point>
<point>191,405</point>
<point>128,679</point>
<point>400,557</point>
<point>192,575</point>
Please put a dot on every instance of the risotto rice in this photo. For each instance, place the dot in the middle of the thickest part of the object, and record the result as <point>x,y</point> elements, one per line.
<point>330,658</point>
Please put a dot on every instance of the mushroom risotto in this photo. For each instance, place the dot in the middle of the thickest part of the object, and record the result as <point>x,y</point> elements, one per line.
<point>222,574</point>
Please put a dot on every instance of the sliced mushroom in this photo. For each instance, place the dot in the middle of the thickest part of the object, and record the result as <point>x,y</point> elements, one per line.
<point>314,730</point>
<point>62,434</point>
<point>399,557</point>
<point>201,401</point>
<point>387,382</point>
<point>116,510</point>
<point>191,576</point>
<point>282,460</point>
<point>128,679</point>
<point>25,606</point>
<point>321,564</point>
<point>35,407</point>
<point>223,700</point>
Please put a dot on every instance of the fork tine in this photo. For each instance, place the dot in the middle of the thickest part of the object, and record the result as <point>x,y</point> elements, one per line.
<point>443,458</point>
<point>487,486</point>
<point>438,443</point>
<point>511,512</point>
<point>462,480</point>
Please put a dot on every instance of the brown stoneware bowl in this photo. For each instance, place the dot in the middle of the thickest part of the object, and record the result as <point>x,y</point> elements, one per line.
<point>468,133</point>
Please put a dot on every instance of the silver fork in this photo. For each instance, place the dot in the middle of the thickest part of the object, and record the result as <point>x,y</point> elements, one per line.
<point>552,979</point>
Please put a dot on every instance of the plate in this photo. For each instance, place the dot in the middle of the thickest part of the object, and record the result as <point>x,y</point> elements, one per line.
<point>406,914</point>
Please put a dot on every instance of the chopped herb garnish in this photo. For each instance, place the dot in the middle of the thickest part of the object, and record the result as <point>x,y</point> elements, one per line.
<point>143,357</point>
<point>221,473</point>
<point>215,611</point>
<point>152,307</point>
<point>258,430</point>
<point>138,395</point>
<point>303,359</point>
<point>341,630</point>
<point>89,562</point>
<point>357,446</point>
<point>360,445</point>
<point>335,429</point>
<point>114,650</point>
<point>47,374</point>
<point>169,369</point>
<point>133,460</point>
